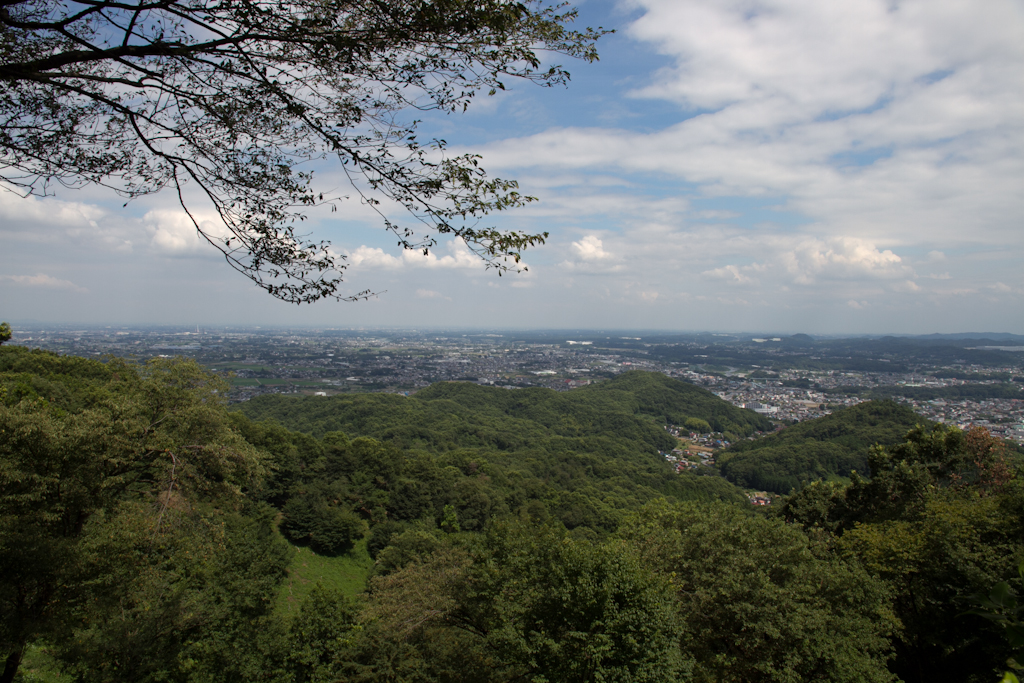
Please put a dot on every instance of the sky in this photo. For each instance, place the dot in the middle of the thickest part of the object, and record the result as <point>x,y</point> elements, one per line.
<point>813,166</point>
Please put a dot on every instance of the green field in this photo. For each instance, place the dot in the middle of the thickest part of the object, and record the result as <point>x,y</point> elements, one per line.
<point>346,573</point>
<point>39,667</point>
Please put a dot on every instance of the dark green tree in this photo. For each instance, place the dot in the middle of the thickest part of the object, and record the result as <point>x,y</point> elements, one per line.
<point>5,332</point>
<point>192,601</point>
<point>320,636</point>
<point>1004,609</point>
<point>758,601</point>
<point>565,610</point>
<point>939,518</point>
<point>237,98</point>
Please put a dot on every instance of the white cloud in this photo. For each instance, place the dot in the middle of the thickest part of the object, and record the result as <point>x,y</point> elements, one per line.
<point>716,215</point>
<point>29,213</point>
<point>902,122</point>
<point>730,274</point>
<point>829,56</point>
<point>823,266</point>
<point>373,257</point>
<point>907,286</point>
<point>174,233</point>
<point>43,281</point>
<point>590,248</point>
<point>459,257</point>
<point>55,221</point>
<point>841,258</point>
<point>430,294</point>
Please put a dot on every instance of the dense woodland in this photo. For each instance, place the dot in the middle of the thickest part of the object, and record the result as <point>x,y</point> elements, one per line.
<point>147,533</point>
<point>829,448</point>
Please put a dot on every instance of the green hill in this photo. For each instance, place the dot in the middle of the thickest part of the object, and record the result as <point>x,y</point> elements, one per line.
<point>668,400</point>
<point>829,447</point>
<point>586,454</point>
<point>447,415</point>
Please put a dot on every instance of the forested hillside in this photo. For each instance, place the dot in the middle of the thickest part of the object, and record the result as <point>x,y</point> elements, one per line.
<point>586,455</point>
<point>149,534</point>
<point>633,406</point>
<point>829,447</point>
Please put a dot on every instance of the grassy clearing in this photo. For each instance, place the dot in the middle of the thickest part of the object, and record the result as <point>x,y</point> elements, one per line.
<point>688,445</point>
<point>39,667</point>
<point>347,573</point>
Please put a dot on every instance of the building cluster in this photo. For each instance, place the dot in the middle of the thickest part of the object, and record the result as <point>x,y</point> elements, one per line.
<point>1001,416</point>
<point>694,450</point>
<point>761,498</point>
<point>684,458</point>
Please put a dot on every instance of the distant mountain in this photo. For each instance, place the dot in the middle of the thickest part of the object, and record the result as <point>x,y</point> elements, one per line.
<point>828,447</point>
<point>977,336</point>
<point>957,392</point>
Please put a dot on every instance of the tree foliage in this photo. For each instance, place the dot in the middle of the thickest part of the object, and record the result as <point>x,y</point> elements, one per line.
<point>236,98</point>
<point>1003,608</point>
<point>84,447</point>
<point>939,519</point>
<point>521,535</point>
<point>319,635</point>
<point>830,447</point>
<point>527,602</point>
<point>758,601</point>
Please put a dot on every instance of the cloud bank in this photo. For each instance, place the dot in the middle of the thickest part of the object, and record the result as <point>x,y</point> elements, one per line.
<point>788,164</point>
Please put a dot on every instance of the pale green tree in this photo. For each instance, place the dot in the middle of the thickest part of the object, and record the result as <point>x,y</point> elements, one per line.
<point>107,451</point>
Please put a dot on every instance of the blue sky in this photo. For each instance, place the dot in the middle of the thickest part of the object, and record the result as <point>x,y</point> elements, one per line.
<point>776,165</point>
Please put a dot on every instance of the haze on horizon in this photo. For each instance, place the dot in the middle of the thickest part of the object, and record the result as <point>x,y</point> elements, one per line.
<point>781,165</point>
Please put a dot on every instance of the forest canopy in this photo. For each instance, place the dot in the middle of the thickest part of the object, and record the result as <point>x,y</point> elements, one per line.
<point>147,533</point>
<point>830,447</point>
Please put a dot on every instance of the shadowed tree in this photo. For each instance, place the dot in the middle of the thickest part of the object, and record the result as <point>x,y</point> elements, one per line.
<point>940,518</point>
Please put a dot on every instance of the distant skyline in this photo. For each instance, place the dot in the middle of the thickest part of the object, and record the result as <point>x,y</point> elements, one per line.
<point>767,165</point>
